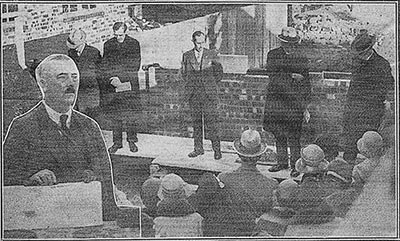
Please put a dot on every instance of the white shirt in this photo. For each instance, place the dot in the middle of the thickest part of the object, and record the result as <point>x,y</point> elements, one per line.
<point>79,50</point>
<point>198,54</point>
<point>55,116</point>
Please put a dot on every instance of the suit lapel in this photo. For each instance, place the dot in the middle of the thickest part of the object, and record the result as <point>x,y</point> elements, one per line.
<point>205,59</point>
<point>193,60</point>
<point>50,136</point>
<point>56,141</point>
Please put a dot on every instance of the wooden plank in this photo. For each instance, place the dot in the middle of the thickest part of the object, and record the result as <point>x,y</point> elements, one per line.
<point>60,206</point>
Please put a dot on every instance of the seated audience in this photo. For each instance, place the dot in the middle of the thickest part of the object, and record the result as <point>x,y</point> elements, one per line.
<point>210,202</point>
<point>329,144</point>
<point>374,212</point>
<point>306,199</point>
<point>53,143</point>
<point>249,193</point>
<point>175,215</point>
<point>369,145</point>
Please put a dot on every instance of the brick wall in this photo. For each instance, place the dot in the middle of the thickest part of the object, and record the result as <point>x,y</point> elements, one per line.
<point>45,20</point>
<point>242,105</point>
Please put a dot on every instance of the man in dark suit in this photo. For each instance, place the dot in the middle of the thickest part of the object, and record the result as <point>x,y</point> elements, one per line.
<point>119,88</point>
<point>52,143</point>
<point>87,59</point>
<point>289,93</point>
<point>369,94</point>
<point>201,73</point>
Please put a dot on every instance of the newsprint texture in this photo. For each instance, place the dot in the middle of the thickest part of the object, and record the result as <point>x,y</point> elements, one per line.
<point>203,120</point>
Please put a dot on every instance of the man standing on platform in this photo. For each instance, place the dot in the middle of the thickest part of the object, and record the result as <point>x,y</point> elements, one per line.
<point>87,59</point>
<point>288,95</point>
<point>201,72</point>
<point>119,88</point>
<point>368,94</point>
<point>52,143</point>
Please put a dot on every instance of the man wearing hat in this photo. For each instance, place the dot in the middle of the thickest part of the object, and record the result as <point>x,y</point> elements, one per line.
<point>87,59</point>
<point>250,193</point>
<point>368,93</point>
<point>288,95</point>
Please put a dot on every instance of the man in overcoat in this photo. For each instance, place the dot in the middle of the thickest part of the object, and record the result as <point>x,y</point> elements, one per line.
<point>368,93</point>
<point>87,58</point>
<point>249,193</point>
<point>201,73</point>
<point>119,88</point>
<point>288,94</point>
<point>52,143</point>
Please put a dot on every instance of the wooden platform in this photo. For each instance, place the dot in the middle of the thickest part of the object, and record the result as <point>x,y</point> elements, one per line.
<point>172,152</point>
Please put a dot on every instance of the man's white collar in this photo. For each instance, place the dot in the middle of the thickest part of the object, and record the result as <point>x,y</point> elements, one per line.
<point>55,116</point>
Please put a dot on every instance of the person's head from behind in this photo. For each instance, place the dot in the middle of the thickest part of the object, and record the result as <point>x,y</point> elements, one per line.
<point>58,79</point>
<point>172,187</point>
<point>249,147</point>
<point>312,160</point>
<point>329,144</point>
<point>119,29</point>
<point>370,144</point>
<point>198,39</point>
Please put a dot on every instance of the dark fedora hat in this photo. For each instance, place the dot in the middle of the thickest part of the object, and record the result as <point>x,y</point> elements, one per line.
<point>289,35</point>
<point>249,144</point>
<point>363,42</point>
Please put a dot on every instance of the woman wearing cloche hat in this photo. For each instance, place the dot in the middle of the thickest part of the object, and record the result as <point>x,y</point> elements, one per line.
<point>307,199</point>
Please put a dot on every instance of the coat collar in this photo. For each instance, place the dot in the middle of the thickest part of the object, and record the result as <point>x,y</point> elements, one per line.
<point>46,123</point>
<point>204,59</point>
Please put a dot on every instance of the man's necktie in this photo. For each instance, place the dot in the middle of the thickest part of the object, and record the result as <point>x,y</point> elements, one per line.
<point>63,122</point>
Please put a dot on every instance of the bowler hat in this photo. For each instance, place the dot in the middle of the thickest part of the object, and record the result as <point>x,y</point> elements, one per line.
<point>76,38</point>
<point>289,35</point>
<point>312,160</point>
<point>249,144</point>
<point>363,42</point>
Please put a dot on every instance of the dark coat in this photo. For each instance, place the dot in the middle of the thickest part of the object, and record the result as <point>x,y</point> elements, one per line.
<point>210,202</point>
<point>249,195</point>
<point>121,60</point>
<point>369,86</point>
<point>88,65</point>
<point>201,80</point>
<point>34,143</point>
<point>308,201</point>
<point>286,97</point>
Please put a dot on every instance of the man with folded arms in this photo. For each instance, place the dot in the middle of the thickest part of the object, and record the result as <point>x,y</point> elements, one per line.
<point>52,143</point>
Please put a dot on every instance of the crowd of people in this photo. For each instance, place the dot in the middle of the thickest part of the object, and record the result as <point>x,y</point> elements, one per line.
<point>245,202</point>
<point>55,143</point>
